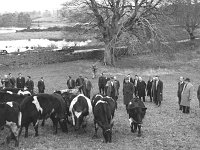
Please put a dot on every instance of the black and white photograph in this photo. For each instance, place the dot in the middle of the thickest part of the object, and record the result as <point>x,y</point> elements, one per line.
<point>100,75</point>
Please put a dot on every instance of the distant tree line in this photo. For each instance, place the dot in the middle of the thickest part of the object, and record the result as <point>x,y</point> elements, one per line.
<point>15,20</point>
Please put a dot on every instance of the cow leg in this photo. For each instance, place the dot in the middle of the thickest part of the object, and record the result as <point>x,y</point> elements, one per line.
<point>84,124</point>
<point>63,125</point>
<point>15,131</point>
<point>14,137</point>
<point>26,130</point>
<point>43,122</point>
<point>20,131</point>
<point>8,139</point>
<point>135,127</point>
<point>55,122</point>
<point>35,124</point>
<point>132,127</point>
<point>139,130</point>
<point>96,129</point>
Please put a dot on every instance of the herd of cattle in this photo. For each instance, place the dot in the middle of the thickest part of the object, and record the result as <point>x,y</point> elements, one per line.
<point>19,109</point>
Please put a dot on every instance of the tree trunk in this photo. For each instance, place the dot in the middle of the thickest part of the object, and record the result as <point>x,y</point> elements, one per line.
<point>109,55</point>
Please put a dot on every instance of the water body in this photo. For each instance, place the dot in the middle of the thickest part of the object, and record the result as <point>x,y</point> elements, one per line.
<point>9,29</point>
<point>24,45</point>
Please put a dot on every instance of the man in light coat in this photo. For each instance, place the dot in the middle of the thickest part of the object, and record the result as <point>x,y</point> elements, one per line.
<point>186,96</point>
<point>157,91</point>
<point>180,90</point>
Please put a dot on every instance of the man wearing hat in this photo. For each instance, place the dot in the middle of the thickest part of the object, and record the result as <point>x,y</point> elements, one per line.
<point>186,96</point>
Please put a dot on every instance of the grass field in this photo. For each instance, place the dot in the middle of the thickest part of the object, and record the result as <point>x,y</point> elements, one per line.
<point>164,128</point>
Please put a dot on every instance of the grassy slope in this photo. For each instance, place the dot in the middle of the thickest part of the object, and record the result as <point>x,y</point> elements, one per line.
<point>163,128</point>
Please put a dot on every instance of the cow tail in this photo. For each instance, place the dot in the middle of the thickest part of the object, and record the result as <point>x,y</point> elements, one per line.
<point>19,118</point>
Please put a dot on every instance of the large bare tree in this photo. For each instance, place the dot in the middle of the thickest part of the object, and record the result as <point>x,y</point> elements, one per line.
<point>117,17</point>
<point>186,14</point>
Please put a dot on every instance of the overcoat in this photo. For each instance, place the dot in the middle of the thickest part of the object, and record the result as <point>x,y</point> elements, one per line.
<point>141,87</point>
<point>20,83</point>
<point>157,91</point>
<point>128,90</point>
<point>186,95</point>
<point>149,88</point>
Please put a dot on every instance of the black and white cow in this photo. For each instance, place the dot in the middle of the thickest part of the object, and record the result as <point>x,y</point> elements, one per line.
<point>10,116</point>
<point>80,108</point>
<point>96,98</point>
<point>136,110</point>
<point>7,96</point>
<point>43,106</point>
<point>16,91</point>
<point>104,110</point>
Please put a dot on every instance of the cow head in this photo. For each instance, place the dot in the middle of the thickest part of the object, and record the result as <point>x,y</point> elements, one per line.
<point>107,133</point>
<point>136,111</point>
<point>63,125</point>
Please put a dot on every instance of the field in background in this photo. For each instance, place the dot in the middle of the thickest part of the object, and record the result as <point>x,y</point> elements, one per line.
<point>163,128</point>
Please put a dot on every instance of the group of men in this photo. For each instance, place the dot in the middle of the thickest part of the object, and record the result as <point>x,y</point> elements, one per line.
<point>109,86</point>
<point>84,85</point>
<point>138,88</point>
<point>21,83</point>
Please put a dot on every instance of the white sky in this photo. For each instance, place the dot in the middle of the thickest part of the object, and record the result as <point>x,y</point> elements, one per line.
<point>29,5</point>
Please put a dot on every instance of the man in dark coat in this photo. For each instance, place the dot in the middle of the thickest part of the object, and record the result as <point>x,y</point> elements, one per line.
<point>141,87</point>
<point>180,89</point>
<point>71,83</point>
<point>102,83</point>
<point>111,88</point>
<point>29,85</point>
<point>12,80</point>
<point>135,83</point>
<point>87,86</point>
<point>79,83</point>
<point>41,85</point>
<point>128,90</point>
<point>149,88</point>
<point>20,81</point>
<point>157,91</point>
<point>117,85</point>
